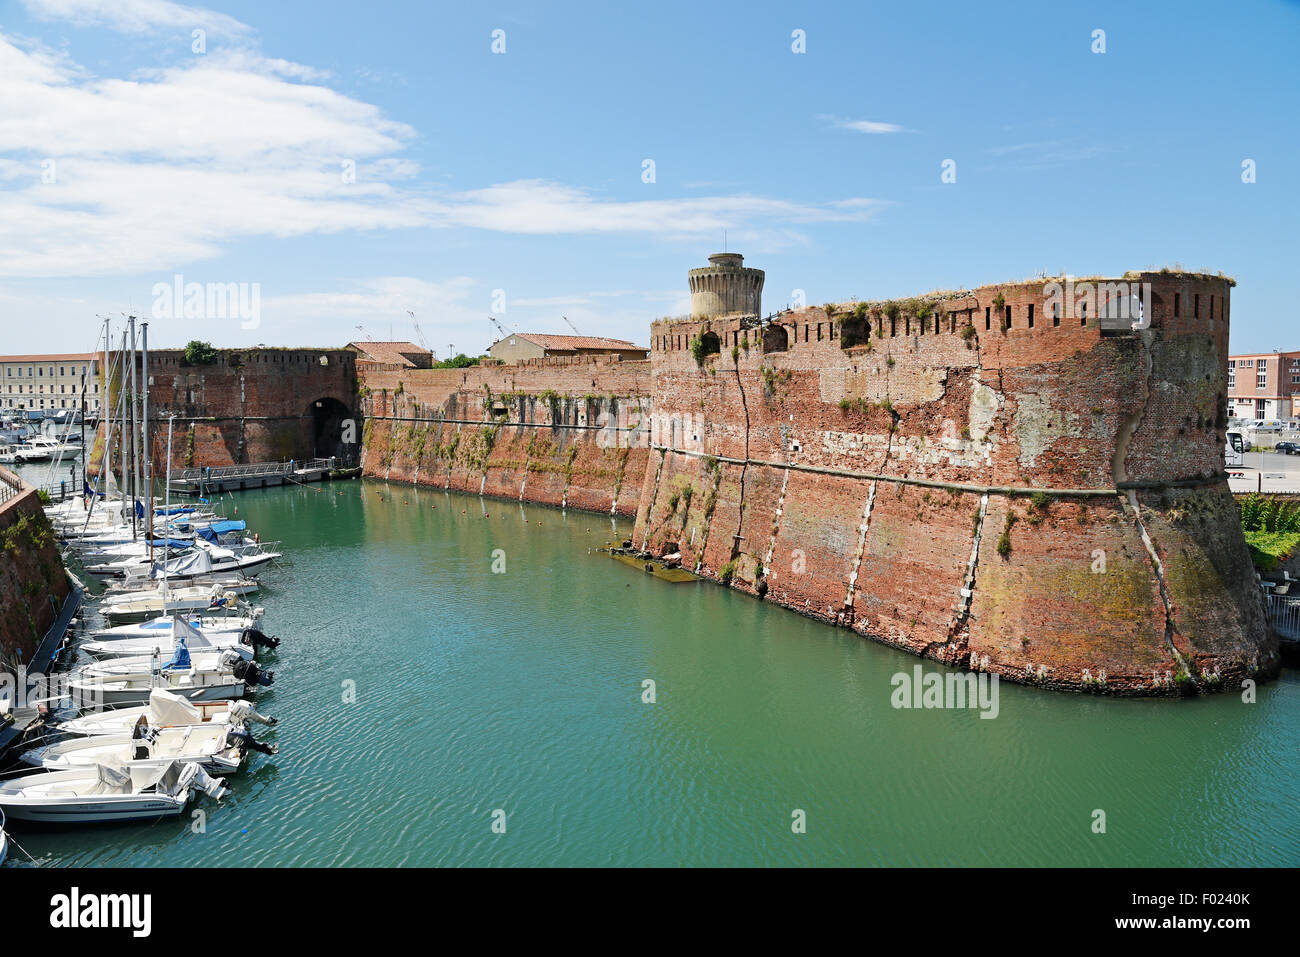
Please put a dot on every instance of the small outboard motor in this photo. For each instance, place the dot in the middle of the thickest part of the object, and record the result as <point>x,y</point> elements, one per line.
<point>250,742</point>
<point>250,674</point>
<point>258,639</point>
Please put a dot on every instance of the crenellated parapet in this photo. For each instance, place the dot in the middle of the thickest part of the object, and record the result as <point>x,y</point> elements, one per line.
<point>725,287</point>
<point>1024,478</point>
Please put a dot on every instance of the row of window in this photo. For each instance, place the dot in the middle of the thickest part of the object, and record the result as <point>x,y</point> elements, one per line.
<point>1261,378</point>
<point>1259,364</point>
<point>40,371</point>
<point>40,404</point>
<point>63,389</point>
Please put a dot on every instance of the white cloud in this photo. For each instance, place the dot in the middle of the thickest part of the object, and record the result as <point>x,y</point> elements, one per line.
<point>538,206</point>
<point>173,166</point>
<point>861,126</point>
<point>136,16</point>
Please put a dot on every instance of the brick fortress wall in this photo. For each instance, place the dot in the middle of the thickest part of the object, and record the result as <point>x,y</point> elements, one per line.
<point>33,585</point>
<point>874,465</point>
<point>564,432</point>
<point>249,405</point>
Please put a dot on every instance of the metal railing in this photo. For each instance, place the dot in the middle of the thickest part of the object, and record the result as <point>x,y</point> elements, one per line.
<point>1285,612</point>
<point>258,469</point>
<point>11,486</point>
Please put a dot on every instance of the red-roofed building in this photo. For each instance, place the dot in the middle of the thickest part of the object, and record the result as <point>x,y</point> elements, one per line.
<point>407,355</point>
<point>534,345</point>
<point>49,381</point>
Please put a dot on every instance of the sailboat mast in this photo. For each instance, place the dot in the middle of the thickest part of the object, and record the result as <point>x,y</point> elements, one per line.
<point>144,439</point>
<point>135,425</point>
<point>122,440</point>
<point>167,506</point>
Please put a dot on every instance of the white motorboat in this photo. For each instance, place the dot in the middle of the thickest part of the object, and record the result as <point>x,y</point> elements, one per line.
<point>8,454</point>
<point>165,710</point>
<point>161,628</point>
<point>136,654</point>
<point>210,746</point>
<point>229,677</point>
<point>31,453</point>
<point>163,640</point>
<point>4,839</point>
<point>181,659</point>
<point>142,605</point>
<point>202,561</point>
<point>53,448</point>
<point>100,793</point>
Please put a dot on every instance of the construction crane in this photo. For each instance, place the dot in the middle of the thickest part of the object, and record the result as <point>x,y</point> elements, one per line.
<point>571,325</point>
<point>419,335</point>
<point>500,328</point>
<point>368,336</point>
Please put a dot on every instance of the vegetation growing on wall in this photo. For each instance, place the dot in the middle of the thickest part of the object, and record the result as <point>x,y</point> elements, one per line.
<point>198,353</point>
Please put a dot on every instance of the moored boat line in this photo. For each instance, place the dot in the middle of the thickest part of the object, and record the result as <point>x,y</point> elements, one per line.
<point>160,662</point>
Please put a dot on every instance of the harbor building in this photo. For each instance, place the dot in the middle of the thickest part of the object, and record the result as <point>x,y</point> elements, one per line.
<point>399,355</point>
<point>49,382</point>
<point>1264,385</point>
<point>532,345</point>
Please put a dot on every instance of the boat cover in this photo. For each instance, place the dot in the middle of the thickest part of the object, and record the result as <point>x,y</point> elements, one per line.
<point>210,532</point>
<point>167,709</point>
<point>197,562</point>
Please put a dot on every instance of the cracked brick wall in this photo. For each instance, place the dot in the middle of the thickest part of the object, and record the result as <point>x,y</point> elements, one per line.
<point>248,405</point>
<point>835,462</point>
<point>567,433</point>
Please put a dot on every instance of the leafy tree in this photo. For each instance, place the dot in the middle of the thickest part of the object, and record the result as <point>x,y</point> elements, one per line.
<point>199,353</point>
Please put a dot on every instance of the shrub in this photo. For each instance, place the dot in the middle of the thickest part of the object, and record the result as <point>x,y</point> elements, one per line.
<point>728,571</point>
<point>697,350</point>
<point>199,353</point>
<point>1004,540</point>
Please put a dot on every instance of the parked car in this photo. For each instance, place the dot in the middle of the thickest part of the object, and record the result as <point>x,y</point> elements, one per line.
<point>1287,448</point>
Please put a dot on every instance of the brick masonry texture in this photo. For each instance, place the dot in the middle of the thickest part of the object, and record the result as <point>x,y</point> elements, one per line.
<point>250,405</point>
<point>874,465</point>
<point>31,574</point>
<point>562,432</point>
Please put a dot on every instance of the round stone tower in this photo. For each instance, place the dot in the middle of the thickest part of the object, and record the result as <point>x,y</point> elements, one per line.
<point>725,287</point>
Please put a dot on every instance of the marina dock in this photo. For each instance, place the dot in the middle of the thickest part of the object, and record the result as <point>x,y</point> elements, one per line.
<point>233,478</point>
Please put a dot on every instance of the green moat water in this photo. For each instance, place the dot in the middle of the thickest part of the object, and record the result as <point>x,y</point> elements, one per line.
<point>522,691</point>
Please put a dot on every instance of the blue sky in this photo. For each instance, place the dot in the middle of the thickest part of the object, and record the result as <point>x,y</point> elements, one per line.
<point>516,178</point>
